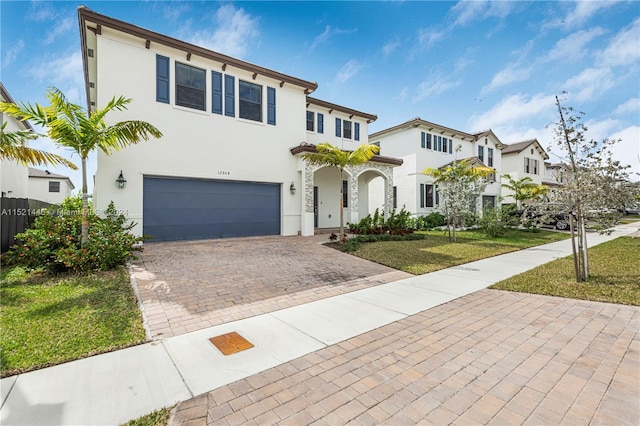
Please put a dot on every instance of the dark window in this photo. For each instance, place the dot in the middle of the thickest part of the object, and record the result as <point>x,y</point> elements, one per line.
<point>229,96</point>
<point>395,197</point>
<point>423,139</point>
<point>535,167</point>
<point>481,153</point>
<point>526,165</point>
<point>428,141</point>
<point>345,193</point>
<point>54,186</point>
<point>216,92</point>
<point>190,86</point>
<point>429,195</point>
<point>338,127</point>
<point>490,157</point>
<point>250,101</point>
<point>320,123</point>
<point>356,129</point>
<point>310,121</point>
<point>162,79</point>
<point>271,105</point>
<point>346,129</point>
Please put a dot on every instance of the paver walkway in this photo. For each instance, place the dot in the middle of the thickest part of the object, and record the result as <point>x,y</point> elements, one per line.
<point>491,357</point>
<point>188,286</point>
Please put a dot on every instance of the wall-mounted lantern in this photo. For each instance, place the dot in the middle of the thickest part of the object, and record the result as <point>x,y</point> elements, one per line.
<point>121,182</point>
<point>292,188</point>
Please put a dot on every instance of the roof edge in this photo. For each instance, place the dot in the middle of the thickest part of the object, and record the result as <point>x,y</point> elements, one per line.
<point>370,117</point>
<point>311,148</point>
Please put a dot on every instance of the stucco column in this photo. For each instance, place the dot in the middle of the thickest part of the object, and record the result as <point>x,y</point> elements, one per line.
<point>353,198</point>
<point>306,221</point>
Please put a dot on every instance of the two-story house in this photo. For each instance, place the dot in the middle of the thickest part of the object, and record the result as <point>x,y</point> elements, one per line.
<point>49,187</point>
<point>421,145</point>
<point>523,159</point>
<point>229,161</point>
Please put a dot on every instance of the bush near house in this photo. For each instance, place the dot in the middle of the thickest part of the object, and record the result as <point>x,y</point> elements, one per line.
<point>399,223</point>
<point>54,241</point>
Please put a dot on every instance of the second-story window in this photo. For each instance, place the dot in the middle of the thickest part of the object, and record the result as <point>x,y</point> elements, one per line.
<point>250,101</point>
<point>54,186</point>
<point>346,129</point>
<point>190,86</point>
<point>490,157</point>
<point>527,167</point>
<point>311,121</point>
<point>481,153</point>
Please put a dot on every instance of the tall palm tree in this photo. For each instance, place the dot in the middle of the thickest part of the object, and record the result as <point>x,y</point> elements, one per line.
<point>13,147</point>
<point>72,126</point>
<point>332,156</point>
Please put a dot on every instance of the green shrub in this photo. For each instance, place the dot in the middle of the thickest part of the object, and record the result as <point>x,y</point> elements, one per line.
<point>430,221</point>
<point>53,243</point>
<point>492,223</point>
<point>352,244</point>
<point>399,223</point>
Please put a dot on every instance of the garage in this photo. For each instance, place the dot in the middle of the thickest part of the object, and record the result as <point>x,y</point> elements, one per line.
<point>193,209</point>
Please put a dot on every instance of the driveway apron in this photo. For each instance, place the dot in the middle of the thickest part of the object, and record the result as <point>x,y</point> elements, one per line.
<point>190,285</point>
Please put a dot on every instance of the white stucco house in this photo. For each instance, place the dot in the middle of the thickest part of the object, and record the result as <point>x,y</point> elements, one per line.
<point>49,187</point>
<point>523,159</point>
<point>229,161</point>
<point>421,144</point>
<point>14,176</point>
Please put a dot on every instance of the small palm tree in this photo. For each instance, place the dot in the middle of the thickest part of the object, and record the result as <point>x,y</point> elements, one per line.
<point>524,189</point>
<point>72,126</point>
<point>13,147</point>
<point>332,156</point>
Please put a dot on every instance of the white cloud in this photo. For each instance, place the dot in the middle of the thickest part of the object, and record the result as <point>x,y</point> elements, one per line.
<point>511,110</point>
<point>624,49</point>
<point>12,54</point>
<point>390,47</point>
<point>348,70</point>
<point>434,85</point>
<point>41,11</point>
<point>234,31</point>
<point>429,37</point>
<point>630,106</point>
<point>404,93</point>
<point>328,33</point>
<point>61,27</point>
<point>511,74</point>
<point>627,151</point>
<point>64,72</point>
<point>579,15</point>
<point>573,46</point>
<point>589,84</point>
<point>470,11</point>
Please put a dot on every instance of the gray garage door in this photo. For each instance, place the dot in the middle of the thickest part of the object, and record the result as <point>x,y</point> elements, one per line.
<point>191,209</point>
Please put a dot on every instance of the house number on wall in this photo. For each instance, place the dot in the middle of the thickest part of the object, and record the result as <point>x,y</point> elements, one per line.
<point>223,172</point>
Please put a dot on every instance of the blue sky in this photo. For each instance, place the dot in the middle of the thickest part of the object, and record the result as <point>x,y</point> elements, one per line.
<point>469,65</point>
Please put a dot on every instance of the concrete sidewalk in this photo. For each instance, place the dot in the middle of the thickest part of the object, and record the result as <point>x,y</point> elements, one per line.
<point>116,387</point>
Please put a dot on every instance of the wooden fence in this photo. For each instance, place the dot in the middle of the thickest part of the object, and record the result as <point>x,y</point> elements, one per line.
<point>16,215</point>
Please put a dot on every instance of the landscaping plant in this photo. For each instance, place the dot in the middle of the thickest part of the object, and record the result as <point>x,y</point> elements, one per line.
<point>54,241</point>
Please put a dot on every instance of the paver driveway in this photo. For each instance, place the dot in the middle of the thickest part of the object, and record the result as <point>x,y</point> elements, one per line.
<point>187,286</point>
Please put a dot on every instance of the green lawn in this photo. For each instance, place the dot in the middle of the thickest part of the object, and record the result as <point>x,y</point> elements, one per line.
<point>436,252</point>
<point>614,269</point>
<point>48,320</point>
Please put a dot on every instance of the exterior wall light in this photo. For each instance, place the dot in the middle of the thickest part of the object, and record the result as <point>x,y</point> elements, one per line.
<point>121,182</point>
<point>292,188</point>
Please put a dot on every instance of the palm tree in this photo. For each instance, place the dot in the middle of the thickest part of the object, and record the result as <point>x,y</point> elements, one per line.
<point>13,147</point>
<point>72,126</point>
<point>332,156</point>
<point>524,189</point>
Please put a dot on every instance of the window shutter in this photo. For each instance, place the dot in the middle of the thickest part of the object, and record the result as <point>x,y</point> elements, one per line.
<point>395,197</point>
<point>422,195</point>
<point>162,79</point>
<point>271,105</point>
<point>345,193</point>
<point>423,138</point>
<point>216,92</point>
<point>229,96</point>
<point>338,127</point>
<point>356,129</point>
<point>450,146</point>
<point>320,123</point>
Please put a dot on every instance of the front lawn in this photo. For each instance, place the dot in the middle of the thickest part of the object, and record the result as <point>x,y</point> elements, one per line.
<point>435,251</point>
<point>614,269</point>
<point>47,320</point>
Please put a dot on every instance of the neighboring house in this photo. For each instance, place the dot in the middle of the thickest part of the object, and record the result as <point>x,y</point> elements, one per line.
<point>523,159</point>
<point>49,187</point>
<point>421,145</point>
<point>14,176</point>
<point>229,161</point>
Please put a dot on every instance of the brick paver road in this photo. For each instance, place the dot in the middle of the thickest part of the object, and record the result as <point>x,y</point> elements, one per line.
<point>491,357</point>
<point>191,285</point>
